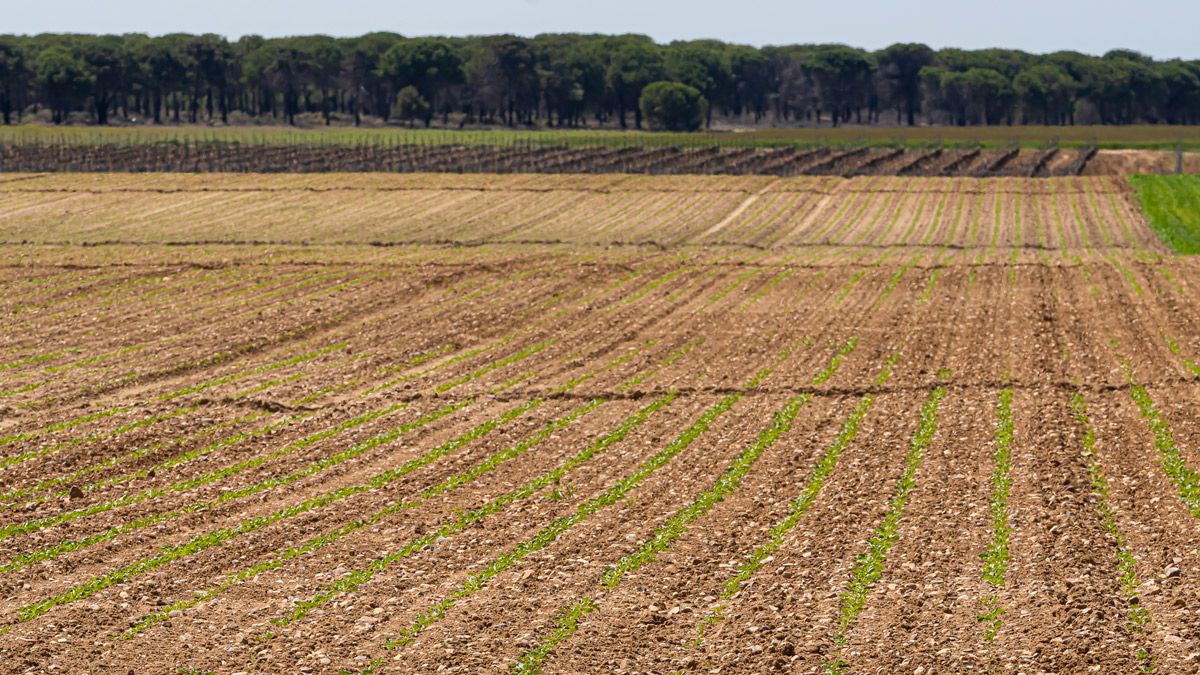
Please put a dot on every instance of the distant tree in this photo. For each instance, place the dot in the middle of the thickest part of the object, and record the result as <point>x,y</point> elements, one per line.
<point>672,106</point>
<point>410,105</point>
<point>207,60</point>
<point>992,94</point>
<point>507,68</point>
<point>570,76</point>
<point>842,76</point>
<point>568,79</point>
<point>795,91</point>
<point>634,62</point>
<point>365,85</point>
<point>64,80</point>
<point>1181,80</point>
<point>1047,93</point>
<point>323,72</point>
<point>256,58</point>
<point>164,73</point>
<point>14,78</point>
<point>900,67</point>
<point>753,81</point>
<point>428,65</point>
<point>104,58</point>
<point>285,66</point>
<point>946,91</point>
<point>705,66</point>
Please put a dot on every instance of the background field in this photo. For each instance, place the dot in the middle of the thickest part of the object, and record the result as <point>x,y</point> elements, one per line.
<point>596,424</point>
<point>1157,136</point>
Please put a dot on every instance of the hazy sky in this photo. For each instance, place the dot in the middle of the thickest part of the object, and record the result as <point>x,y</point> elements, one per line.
<point>1161,28</point>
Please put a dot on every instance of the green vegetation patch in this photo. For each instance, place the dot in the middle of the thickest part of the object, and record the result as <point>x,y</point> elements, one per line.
<point>1172,205</point>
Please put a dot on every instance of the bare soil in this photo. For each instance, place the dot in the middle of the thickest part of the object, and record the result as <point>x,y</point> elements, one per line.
<point>202,433</point>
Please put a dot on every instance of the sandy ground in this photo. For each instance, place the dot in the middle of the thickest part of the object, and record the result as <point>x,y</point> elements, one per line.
<point>1125,162</point>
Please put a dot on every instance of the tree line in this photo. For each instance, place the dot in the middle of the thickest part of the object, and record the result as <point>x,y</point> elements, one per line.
<point>576,80</point>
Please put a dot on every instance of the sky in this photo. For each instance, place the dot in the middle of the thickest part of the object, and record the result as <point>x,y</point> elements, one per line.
<point>1160,28</point>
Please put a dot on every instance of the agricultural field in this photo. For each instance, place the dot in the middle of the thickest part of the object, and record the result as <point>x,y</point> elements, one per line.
<point>846,152</point>
<point>860,160</point>
<point>605,423</point>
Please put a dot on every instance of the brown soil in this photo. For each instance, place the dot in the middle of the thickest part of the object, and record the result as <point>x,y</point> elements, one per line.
<point>165,406</point>
<point>1126,162</point>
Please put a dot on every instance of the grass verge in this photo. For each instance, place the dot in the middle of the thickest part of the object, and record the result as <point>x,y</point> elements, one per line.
<point>1172,206</point>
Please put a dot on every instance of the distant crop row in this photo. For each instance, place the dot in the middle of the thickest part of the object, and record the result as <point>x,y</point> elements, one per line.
<point>991,217</point>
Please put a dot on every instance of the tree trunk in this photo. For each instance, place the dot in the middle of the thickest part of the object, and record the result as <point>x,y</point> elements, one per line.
<point>101,109</point>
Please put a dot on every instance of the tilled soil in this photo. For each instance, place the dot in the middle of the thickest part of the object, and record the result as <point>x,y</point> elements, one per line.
<point>285,457</point>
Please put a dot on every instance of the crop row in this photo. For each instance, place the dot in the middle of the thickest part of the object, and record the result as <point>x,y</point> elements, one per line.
<point>677,525</point>
<point>870,565</point>
<point>996,557</point>
<point>241,467</point>
<point>547,535</point>
<point>377,439</point>
<point>224,157</point>
<point>1137,616</point>
<point>446,486</point>
<point>776,214</point>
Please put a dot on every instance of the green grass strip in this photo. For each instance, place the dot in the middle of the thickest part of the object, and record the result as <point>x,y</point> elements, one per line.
<point>672,358</point>
<point>95,359</point>
<point>1137,616</point>
<point>36,358</point>
<point>419,359</point>
<point>1185,478</point>
<point>766,288</point>
<point>933,279</point>
<point>269,384</point>
<point>450,361</point>
<point>798,506</point>
<point>892,283</point>
<point>196,507</point>
<point>356,579</point>
<point>870,565</point>
<point>1172,206</point>
<point>996,557</point>
<point>566,624</point>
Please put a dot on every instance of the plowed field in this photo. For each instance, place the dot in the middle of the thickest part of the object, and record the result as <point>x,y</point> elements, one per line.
<point>594,424</point>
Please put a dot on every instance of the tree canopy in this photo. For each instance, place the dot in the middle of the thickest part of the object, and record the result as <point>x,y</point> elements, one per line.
<point>572,80</point>
<point>672,106</point>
